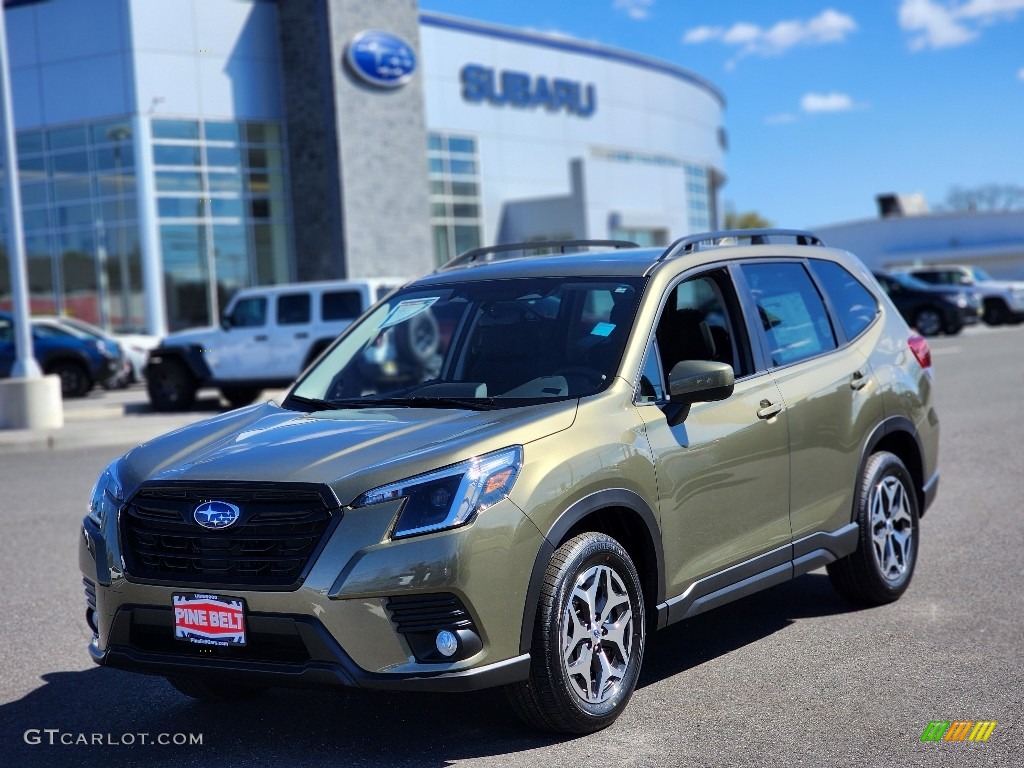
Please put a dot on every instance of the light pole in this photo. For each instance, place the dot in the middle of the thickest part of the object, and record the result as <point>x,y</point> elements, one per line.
<point>118,134</point>
<point>28,400</point>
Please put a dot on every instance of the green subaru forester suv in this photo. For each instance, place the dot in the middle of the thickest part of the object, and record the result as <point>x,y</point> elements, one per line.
<point>508,472</point>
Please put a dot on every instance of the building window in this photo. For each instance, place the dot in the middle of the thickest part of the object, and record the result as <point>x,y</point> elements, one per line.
<point>456,219</point>
<point>643,237</point>
<point>698,198</point>
<point>222,183</point>
<point>79,215</point>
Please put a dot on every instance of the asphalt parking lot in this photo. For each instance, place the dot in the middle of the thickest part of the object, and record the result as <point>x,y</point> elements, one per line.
<point>791,676</point>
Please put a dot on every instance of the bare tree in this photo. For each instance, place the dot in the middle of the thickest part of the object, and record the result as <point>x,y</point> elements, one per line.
<point>986,197</point>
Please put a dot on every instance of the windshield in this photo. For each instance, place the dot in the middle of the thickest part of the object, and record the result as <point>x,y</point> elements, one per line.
<point>484,343</point>
<point>980,275</point>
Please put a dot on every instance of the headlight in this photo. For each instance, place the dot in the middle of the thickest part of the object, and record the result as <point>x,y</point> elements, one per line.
<point>962,300</point>
<point>452,496</point>
<point>107,494</point>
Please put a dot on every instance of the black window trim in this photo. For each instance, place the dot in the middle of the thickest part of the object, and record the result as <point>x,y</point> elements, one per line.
<point>749,308</point>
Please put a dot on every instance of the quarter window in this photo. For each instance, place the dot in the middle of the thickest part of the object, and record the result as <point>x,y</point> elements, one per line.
<point>792,313</point>
<point>854,304</point>
<point>340,305</point>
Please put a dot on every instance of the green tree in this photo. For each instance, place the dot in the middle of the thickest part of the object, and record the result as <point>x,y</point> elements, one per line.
<point>745,220</point>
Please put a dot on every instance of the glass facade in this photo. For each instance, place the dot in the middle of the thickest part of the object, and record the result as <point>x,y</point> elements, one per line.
<point>698,198</point>
<point>77,187</point>
<point>455,200</point>
<point>222,211</point>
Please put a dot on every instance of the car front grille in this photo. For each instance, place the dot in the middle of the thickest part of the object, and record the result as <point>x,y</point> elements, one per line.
<point>280,530</point>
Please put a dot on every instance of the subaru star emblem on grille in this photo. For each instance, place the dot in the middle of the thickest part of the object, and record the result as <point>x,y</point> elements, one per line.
<point>216,514</point>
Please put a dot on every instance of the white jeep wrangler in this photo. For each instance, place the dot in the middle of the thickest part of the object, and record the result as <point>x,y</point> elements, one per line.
<point>267,337</point>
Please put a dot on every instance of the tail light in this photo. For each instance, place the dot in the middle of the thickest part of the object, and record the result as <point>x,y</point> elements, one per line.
<point>919,346</point>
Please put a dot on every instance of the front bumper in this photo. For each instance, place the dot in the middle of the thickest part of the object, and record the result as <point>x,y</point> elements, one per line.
<point>338,627</point>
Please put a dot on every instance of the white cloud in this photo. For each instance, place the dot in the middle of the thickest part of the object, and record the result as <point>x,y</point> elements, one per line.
<point>781,119</point>
<point>826,102</point>
<point>635,9</point>
<point>1020,73</point>
<point>829,26</point>
<point>934,24</point>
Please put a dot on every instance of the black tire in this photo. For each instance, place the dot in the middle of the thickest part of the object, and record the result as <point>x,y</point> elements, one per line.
<point>552,698</point>
<point>215,689</point>
<point>418,338</point>
<point>879,572</point>
<point>240,396</point>
<point>953,328</point>
<point>170,385</point>
<point>996,312</point>
<point>75,380</point>
<point>928,321</point>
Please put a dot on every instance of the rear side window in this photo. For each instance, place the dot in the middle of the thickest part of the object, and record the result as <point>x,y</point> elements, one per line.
<point>792,313</point>
<point>341,305</point>
<point>851,301</point>
<point>293,309</point>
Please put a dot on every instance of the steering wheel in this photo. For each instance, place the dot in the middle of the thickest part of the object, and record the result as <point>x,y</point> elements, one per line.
<point>592,377</point>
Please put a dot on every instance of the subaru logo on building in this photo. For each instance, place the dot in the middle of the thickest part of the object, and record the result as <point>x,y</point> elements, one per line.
<point>216,514</point>
<point>381,59</point>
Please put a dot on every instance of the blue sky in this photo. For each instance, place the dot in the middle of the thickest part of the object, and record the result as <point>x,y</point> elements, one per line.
<point>829,103</point>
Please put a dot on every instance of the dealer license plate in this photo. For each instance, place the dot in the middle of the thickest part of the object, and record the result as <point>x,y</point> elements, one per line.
<point>209,619</point>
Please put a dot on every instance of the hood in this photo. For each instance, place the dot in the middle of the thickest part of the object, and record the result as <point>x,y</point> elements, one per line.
<point>1002,285</point>
<point>200,336</point>
<point>350,450</point>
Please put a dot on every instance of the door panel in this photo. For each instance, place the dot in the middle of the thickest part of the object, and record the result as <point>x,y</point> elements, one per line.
<point>723,481</point>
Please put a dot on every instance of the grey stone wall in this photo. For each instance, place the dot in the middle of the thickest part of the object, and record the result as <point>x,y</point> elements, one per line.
<point>357,153</point>
<point>312,140</point>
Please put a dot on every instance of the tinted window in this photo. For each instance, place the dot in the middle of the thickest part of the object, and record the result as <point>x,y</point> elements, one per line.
<point>6,330</point>
<point>792,314</point>
<point>293,309</point>
<point>700,322</point>
<point>851,301</point>
<point>341,305</point>
<point>249,313</point>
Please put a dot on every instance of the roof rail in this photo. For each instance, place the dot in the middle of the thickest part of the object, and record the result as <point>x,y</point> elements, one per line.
<point>692,243</point>
<point>492,253</point>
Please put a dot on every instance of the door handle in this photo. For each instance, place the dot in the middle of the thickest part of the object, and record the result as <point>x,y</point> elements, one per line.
<point>858,380</point>
<point>301,335</point>
<point>261,337</point>
<point>768,409</point>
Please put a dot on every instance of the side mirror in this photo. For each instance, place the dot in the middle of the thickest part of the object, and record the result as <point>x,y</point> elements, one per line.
<point>225,322</point>
<point>700,381</point>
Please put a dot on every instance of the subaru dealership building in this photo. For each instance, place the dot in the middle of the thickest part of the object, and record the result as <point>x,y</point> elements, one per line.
<point>173,151</point>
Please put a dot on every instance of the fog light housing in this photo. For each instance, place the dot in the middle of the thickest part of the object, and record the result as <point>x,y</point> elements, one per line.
<point>447,643</point>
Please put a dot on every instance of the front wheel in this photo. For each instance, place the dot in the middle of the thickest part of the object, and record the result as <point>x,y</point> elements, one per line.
<point>928,322</point>
<point>170,385</point>
<point>240,396</point>
<point>879,571</point>
<point>588,639</point>
<point>74,378</point>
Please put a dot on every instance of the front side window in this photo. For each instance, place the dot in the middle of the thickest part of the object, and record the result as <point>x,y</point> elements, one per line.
<point>791,312</point>
<point>500,342</point>
<point>249,313</point>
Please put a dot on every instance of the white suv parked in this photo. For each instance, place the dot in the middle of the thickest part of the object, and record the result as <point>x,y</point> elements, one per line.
<point>267,336</point>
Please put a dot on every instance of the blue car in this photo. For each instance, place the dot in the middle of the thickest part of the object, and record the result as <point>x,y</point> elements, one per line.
<point>80,362</point>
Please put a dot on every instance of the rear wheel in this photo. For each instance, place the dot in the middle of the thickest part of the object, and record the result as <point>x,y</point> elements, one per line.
<point>240,396</point>
<point>170,385</point>
<point>215,690</point>
<point>879,571</point>
<point>588,640</point>
<point>74,378</point>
